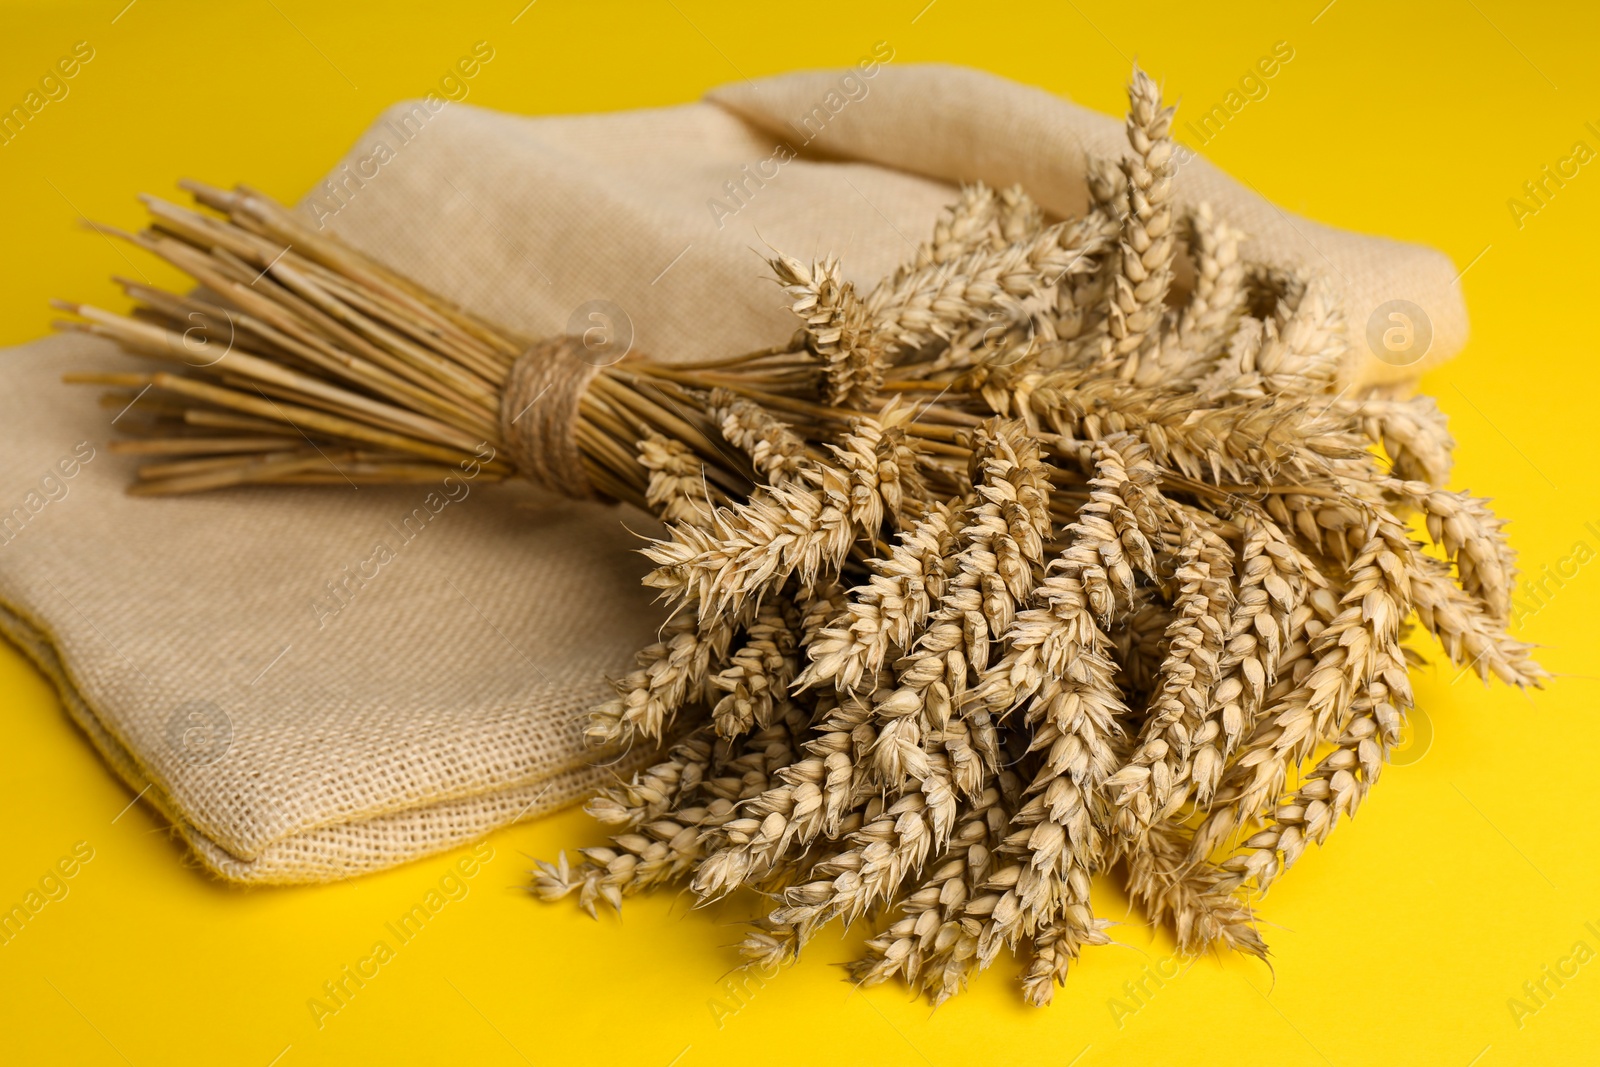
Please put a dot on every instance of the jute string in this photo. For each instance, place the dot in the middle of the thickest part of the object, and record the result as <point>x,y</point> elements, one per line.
<point>539,414</point>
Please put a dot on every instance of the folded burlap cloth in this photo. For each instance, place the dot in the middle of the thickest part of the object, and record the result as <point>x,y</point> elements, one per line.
<point>315,683</point>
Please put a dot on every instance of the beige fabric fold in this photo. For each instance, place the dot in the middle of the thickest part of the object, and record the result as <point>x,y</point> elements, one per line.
<point>311,684</point>
<point>973,126</point>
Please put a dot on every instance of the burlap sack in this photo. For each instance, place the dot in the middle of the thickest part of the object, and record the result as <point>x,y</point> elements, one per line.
<point>291,734</point>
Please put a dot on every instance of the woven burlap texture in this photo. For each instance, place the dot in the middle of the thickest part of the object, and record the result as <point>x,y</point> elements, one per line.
<point>293,734</point>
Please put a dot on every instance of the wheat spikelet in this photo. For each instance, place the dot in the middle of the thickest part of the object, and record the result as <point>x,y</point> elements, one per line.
<point>885,613</point>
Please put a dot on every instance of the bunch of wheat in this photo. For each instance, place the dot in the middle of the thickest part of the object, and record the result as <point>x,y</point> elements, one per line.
<point>1019,568</point>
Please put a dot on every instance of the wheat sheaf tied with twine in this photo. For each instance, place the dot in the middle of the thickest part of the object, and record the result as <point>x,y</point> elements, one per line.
<point>1020,569</point>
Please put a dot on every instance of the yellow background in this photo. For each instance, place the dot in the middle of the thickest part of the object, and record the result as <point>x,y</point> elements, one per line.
<point>1469,870</point>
